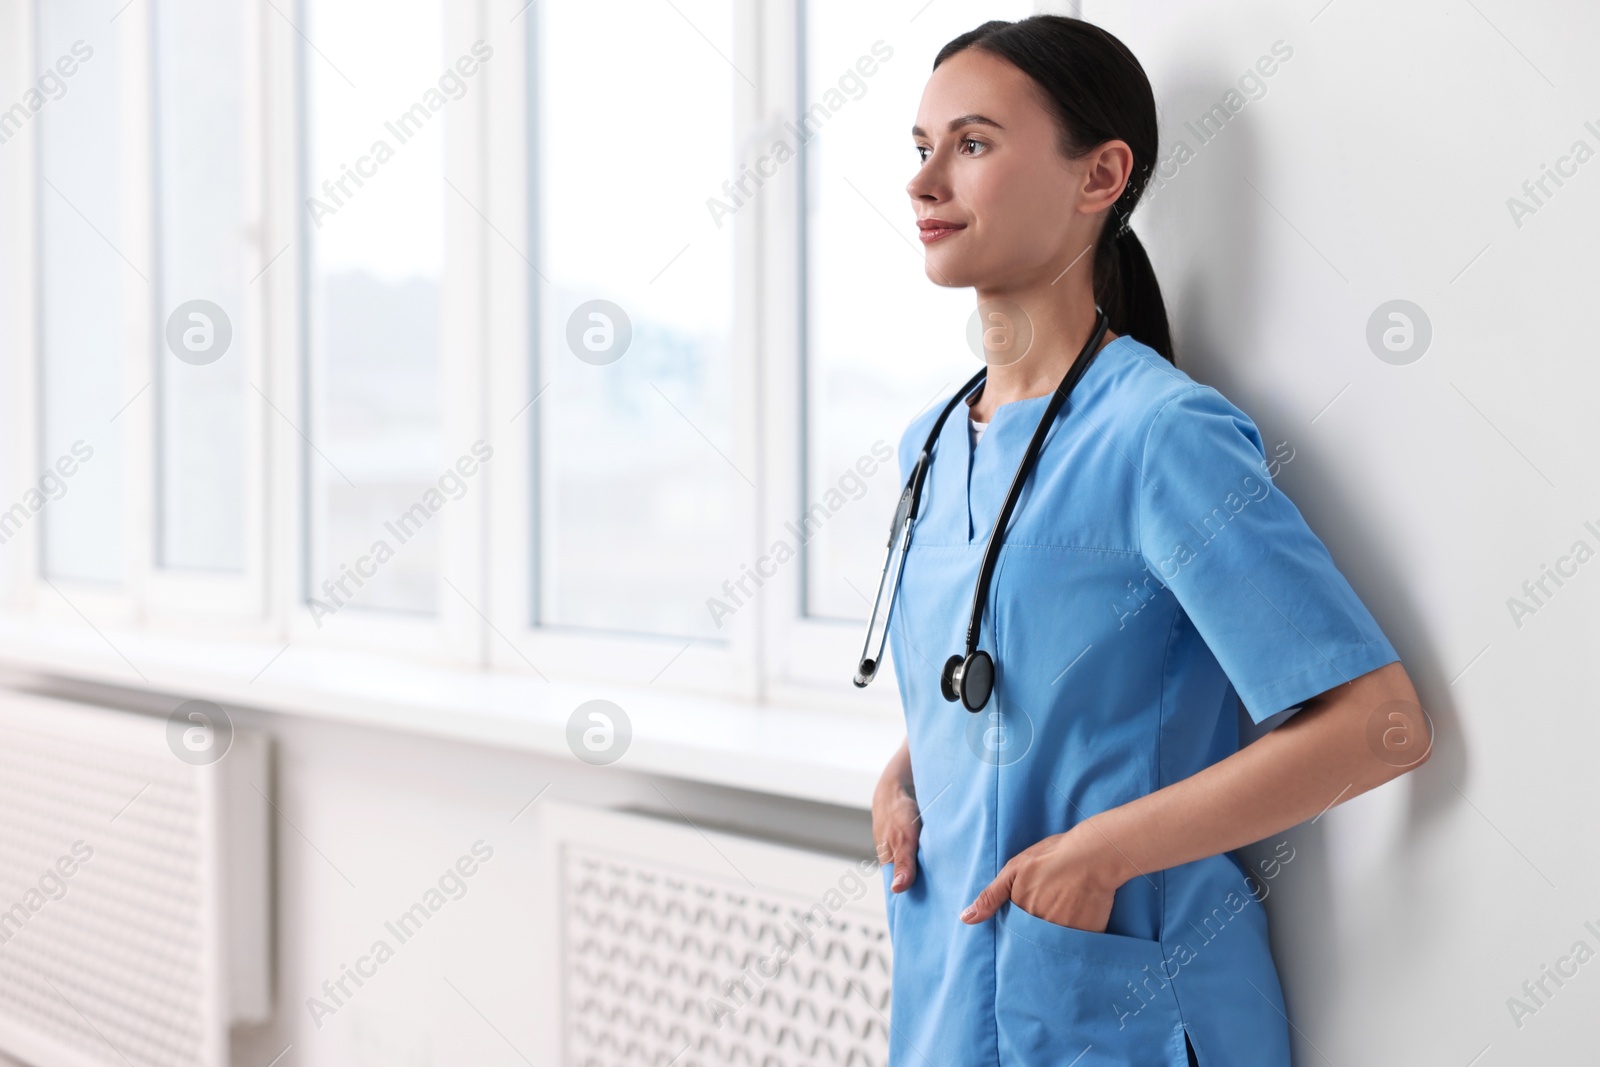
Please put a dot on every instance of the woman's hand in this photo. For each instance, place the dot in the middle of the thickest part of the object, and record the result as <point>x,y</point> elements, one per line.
<point>896,820</point>
<point>1068,879</point>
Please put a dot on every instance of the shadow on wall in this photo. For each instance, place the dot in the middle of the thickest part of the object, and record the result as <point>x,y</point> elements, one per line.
<point>1205,217</point>
<point>1207,224</point>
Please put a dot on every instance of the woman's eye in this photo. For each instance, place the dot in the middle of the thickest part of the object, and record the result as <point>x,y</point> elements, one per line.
<point>969,146</point>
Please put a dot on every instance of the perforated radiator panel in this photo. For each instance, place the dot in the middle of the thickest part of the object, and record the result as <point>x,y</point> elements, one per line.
<point>666,965</point>
<point>110,910</point>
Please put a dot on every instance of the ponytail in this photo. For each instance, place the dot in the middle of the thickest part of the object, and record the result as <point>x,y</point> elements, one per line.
<point>1125,287</point>
<point>1098,93</point>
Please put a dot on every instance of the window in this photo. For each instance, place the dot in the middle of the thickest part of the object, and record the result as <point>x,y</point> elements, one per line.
<point>85,280</point>
<point>634,432</point>
<point>558,336</point>
<point>373,221</point>
<point>201,480</point>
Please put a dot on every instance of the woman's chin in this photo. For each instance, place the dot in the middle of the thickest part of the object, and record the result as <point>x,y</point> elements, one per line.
<point>952,272</point>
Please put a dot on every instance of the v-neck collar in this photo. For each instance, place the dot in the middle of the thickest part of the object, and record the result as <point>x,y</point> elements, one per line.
<point>991,463</point>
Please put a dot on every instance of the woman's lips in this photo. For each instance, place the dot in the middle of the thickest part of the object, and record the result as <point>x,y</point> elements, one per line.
<point>931,230</point>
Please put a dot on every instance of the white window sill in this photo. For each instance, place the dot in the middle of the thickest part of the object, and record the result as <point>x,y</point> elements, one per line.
<point>816,755</point>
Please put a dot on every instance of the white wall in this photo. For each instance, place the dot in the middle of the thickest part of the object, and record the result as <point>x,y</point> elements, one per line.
<point>1376,166</point>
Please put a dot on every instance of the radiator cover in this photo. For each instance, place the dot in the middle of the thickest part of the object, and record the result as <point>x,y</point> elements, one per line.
<point>704,949</point>
<point>133,889</point>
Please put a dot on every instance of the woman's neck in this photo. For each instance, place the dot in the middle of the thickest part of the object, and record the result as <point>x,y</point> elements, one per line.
<point>1053,325</point>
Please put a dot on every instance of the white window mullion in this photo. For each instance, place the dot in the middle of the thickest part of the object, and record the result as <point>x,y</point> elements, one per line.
<point>280,283</point>
<point>463,593</point>
<point>755,25</point>
<point>179,589</point>
<point>137,241</point>
<point>782,393</point>
<point>510,288</point>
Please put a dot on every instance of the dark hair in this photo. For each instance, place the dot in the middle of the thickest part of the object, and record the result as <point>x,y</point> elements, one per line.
<point>1098,92</point>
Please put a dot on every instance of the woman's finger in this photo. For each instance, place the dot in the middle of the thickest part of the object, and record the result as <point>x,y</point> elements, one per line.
<point>994,894</point>
<point>905,867</point>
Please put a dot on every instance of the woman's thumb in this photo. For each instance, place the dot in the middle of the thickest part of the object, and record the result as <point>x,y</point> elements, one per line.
<point>905,872</point>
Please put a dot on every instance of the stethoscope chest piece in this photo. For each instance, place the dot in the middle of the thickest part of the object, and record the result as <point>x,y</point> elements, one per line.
<point>969,679</point>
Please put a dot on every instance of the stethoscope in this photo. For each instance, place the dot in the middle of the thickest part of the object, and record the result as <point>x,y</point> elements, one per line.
<point>967,677</point>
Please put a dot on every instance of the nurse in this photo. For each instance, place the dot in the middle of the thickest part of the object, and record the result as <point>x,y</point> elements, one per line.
<point>1064,888</point>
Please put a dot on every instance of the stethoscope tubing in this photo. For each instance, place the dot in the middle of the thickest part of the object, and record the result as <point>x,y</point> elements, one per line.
<point>905,517</point>
<point>991,551</point>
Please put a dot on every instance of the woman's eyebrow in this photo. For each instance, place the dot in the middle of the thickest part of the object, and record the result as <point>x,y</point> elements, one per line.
<point>964,120</point>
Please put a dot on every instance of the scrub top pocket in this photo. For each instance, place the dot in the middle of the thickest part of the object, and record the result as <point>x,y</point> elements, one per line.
<point>1064,997</point>
<point>1116,949</point>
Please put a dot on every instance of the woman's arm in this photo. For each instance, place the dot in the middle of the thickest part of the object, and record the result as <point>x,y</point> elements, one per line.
<point>1342,743</point>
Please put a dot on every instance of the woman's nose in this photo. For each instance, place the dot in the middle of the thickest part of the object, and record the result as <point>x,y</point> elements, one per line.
<point>927,184</point>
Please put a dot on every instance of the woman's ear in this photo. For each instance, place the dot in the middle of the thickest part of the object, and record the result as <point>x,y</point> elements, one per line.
<point>1108,169</point>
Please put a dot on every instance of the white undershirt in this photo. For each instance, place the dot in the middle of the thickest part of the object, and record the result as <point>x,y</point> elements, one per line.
<point>974,427</point>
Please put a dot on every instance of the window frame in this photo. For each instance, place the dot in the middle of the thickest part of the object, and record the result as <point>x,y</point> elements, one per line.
<point>449,635</point>
<point>175,592</point>
<point>569,653</point>
<point>810,655</point>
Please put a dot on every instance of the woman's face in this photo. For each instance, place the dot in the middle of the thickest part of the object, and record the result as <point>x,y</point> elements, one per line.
<point>1019,210</point>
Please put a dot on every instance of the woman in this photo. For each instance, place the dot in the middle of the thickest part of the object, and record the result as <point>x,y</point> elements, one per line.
<point>1063,886</point>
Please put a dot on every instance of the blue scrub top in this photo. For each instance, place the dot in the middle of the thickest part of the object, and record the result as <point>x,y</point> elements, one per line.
<point>1151,577</point>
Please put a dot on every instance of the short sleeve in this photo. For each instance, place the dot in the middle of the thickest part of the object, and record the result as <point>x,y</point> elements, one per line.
<point>1261,588</point>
